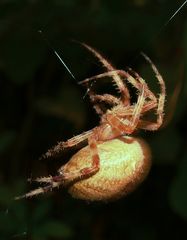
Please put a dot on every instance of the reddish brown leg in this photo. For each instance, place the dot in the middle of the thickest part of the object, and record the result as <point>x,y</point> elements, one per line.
<point>95,158</point>
<point>131,123</point>
<point>63,177</point>
<point>116,78</point>
<point>161,99</point>
<point>149,104</point>
<point>69,143</point>
<point>153,103</point>
<point>40,190</point>
<point>141,80</point>
<point>146,125</point>
<point>81,173</point>
<point>108,98</point>
<point>126,75</point>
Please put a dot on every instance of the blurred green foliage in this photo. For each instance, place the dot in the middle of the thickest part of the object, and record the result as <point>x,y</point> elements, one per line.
<point>41,104</point>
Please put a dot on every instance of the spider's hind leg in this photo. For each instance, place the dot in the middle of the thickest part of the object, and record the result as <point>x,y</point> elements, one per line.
<point>83,172</point>
<point>40,190</point>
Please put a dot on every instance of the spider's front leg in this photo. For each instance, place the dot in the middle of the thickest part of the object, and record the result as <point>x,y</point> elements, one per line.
<point>96,99</point>
<point>67,144</point>
<point>121,87</point>
<point>147,125</point>
<point>128,125</point>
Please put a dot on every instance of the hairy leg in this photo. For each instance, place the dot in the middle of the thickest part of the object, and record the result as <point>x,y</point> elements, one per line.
<point>141,80</point>
<point>64,177</point>
<point>131,123</point>
<point>67,144</point>
<point>95,158</point>
<point>108,98</point>
<point>116,78</point>
<point>161,99</point>
<point>40,190</point>
<point>96,99</point>
<point>137,84</point>
<point>122,73</point>
<point>147,125</point>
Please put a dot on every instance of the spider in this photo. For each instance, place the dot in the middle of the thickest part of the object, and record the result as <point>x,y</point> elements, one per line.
<point>113,163</point>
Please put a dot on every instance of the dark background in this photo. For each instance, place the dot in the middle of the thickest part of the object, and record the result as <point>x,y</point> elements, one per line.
<point>41,104</point>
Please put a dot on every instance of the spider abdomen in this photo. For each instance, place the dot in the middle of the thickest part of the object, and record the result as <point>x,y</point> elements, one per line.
<point>124,163</point>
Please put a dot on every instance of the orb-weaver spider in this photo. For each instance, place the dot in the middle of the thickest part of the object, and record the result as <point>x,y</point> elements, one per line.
<point>113,163</point>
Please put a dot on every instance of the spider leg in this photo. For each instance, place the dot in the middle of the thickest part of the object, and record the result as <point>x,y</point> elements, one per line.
<point>95,158</point>
<point>87,171</point>
<point>161,99</point>
<point>128,126</point>
<point>42,179</point>
<point>137,84</point>
<point>138,108</point>
<point>108,74</point>
<point>107,98</point>
<point>149,104</point>
<point>52,182</point>
<point>148,125</point>
<point>116,78</point>
<point>123,73</point>
<point>153,100</point>
<point>40,190</point>
<point>98,109</point>
<point>69,143</point>
<point>141,80</point>
<point>66,177</point>
<point>105,63</point>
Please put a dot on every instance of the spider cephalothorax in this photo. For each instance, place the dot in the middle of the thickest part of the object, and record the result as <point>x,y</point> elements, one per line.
<point>113,163</point>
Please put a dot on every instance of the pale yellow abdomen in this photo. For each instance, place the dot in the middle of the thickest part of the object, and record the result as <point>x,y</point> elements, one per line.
<point>124,163</point>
